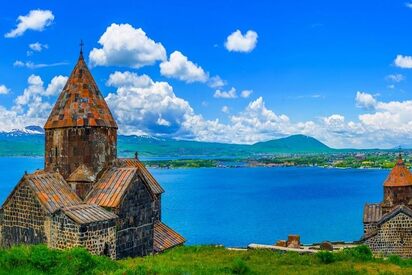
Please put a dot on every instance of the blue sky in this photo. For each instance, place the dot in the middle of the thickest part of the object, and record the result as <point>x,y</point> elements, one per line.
<point>338,71</point>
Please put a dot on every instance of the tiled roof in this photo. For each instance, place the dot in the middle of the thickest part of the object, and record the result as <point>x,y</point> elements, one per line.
<point>80,103</point>
<point>165,237</point>
<point>399,176</point>
<point>372,213</point>
<point>111,187</point>
<point>82,174</point>
<point>51,189</point>
<point>88,213</point>
<point>151,181</point>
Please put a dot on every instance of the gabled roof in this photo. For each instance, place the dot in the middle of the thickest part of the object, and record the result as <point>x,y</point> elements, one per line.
<point>80,103</point>
<point>82,174</point>
<point>112,186</point>
<point>399,176</point>
<point>151,181</point>
<point>399,209</point>
<point>50,189</point>
<point>88,213</point>
<point>372,213</point>
<point>165,238</point>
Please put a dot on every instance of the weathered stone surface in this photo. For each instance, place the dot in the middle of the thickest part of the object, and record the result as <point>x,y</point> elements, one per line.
<point>136,222</point>
<point>393,237</point>
<point>23,219</point>
<point>282,243</point>
<point>68,148</point>
<point>326,246</point>
<point>293,241</point>
<point>98,237</point>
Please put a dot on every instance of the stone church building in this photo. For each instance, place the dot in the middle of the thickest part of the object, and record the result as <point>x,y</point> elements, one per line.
<point>388,225</point>
<point>86,196</point>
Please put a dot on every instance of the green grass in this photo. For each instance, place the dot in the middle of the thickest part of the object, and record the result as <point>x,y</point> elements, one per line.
<point>198,260</point>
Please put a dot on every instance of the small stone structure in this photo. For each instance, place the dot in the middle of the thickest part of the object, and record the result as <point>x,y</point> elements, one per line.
<point>388,225</point>
<point>86,196</point>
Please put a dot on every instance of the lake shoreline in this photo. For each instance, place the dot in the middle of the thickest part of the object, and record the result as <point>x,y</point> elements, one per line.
<point>191,163</point>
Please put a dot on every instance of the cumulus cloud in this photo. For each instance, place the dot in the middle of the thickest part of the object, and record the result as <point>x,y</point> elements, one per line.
<point>4,90</point>
<point>365,100</point>
<point>403,61</point>
<point>237,42</point>
<point>246,93</point>
<point>124,45</point>
<point>142,105</point>
<point>178,66</point>
<point>56,85</point>
<point>32,106</point>
<point>226,94</point>
<point>216,82</point>
<point>36,89</point>
<point>35,20</point>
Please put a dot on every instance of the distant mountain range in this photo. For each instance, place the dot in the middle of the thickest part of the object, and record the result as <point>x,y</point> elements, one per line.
<point>30,142</point>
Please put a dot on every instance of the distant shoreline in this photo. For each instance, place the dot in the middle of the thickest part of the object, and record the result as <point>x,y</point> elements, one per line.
<point>274,162</point>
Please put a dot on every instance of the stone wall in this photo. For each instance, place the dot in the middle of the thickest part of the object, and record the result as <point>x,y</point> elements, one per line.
<point>64,233</point>
<point>136,222</point>
<point>394,196</point>
<point>67,148</point>
<point>369,228</point>
<point>157,208</point>
<point>98,237</point>
<point>23,219</point>
<point>393,237</point>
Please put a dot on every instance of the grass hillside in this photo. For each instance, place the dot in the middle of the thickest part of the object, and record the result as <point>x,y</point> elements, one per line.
<point>33,145</point>
<point>292,144</point>
<point>199,260</point>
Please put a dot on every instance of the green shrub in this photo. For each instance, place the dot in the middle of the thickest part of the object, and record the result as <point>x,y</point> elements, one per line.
<point>360,253</point>
<point>326,257</point>
<point>43,259</point>
<point>240,267</point>
<point>77,261</point>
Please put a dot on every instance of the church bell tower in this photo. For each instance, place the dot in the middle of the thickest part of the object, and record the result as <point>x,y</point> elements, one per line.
<point>80,131</point>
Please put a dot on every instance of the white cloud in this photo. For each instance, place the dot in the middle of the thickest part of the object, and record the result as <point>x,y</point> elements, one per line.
<point>31,65</point>
<point>403,61</point>
<point>246,93</point>
<point>38,47</point>
<point>129,80</point>
<point>178,66</point>
<point>56,85</point>
<point>408,5</point>
<point>35,20</point>
<point>237,42</point>
<point>226,94</point>
<point>4,90</point>
<point>216,82</point>
<point>30,108</point>
<point>142,105</point>
<point>365,100</point>
<point>37,90</point>
<point>225,109</point>
<point>395,77</point>
<point>123,45</point>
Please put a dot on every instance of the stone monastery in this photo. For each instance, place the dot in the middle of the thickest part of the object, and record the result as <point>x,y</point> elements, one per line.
<point>86,196</point>
<point>388,225</point>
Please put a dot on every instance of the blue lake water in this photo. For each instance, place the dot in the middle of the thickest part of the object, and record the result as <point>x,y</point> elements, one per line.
<point>238,206</point>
